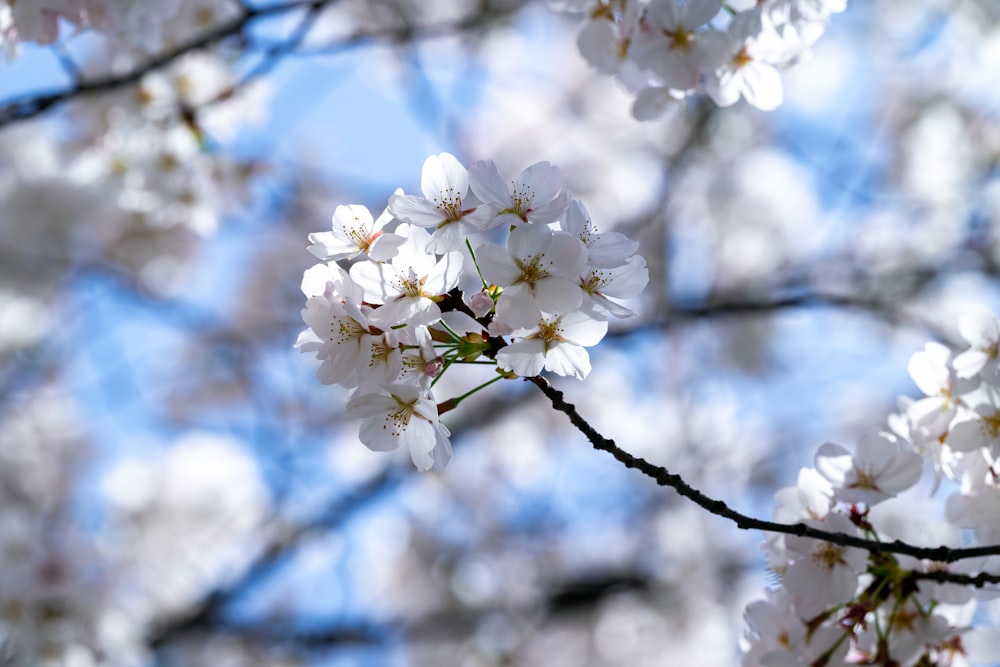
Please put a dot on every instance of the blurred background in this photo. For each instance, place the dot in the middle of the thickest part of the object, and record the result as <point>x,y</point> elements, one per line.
<point>177,488</point>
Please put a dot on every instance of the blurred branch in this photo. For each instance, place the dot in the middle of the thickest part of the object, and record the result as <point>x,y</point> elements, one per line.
<point>23,108</point>
<point>664,477</point>
<point>205,615</point>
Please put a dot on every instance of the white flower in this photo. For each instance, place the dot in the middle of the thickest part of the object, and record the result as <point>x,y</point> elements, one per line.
<point>981,328</point>
<point>747,54</point>
<point>601,286</point>
<point>407,284</point>
<point>536,196</point>
<point>339,331</point>
<point>606,38</point>
<point>445,186</point>
<point>670,45</point>
<point>825,574</point>
<point>810,498</point>
<point>779,637</point>
<point>420,361</point>
<point>401,414</point>
<point>355,232</point>
<point>338,334</point>
<point>538,270</point>
<point>555,344</point>
<point>932,371</point>
<point>975,428</point>
<point>604,250</point>
<point>879,469</point>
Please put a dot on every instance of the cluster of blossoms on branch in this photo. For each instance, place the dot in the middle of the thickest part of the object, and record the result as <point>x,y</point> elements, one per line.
<point>429,286</point>
<point>664,51</point>
<point>842,605</point>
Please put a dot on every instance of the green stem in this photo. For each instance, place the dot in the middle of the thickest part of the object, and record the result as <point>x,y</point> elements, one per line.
<point>452,403</point>
<point>468,244</point>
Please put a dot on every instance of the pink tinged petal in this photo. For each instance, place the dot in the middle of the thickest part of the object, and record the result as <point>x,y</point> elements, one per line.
<point>525,357</point>
<point>488,185</point>
<point>479,302</point>
<point>417,211</point>
<point>568,359</point>
<point>496,264</point>
<point>443,176</point>
<point>834,462</point>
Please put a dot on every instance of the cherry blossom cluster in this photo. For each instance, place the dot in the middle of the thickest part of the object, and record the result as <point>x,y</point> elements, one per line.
<point>146,25</point>
<point>476,269</point>
<point>666,50</point>
<point>842,605</point>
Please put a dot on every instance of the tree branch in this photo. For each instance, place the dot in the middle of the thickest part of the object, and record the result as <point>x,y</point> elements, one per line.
<point>664,477</point>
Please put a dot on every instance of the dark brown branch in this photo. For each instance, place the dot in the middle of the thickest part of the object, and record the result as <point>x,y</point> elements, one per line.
<point>664,477</point>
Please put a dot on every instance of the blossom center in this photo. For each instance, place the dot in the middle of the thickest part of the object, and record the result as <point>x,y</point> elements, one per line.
<point>343,329</point>
<point>681,39</point>
<point>866,480</point>
<point>532,270</point>
<point>828,556</point>
<point>450,204</point>
<point>991,426</point>
<point>742,59</point>
<point>397,421</point>
<point>594,281</point>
